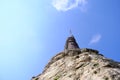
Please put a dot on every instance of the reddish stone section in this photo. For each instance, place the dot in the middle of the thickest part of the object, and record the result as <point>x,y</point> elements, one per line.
<point>71,43</point>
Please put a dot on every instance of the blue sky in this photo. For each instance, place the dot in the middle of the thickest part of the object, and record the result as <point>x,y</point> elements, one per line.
<point>33,31</point>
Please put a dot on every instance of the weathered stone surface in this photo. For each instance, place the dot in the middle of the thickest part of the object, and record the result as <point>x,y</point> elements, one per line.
<point>80,64</point>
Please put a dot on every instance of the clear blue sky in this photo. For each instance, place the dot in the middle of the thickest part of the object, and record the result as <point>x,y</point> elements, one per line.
<point>33,31</point>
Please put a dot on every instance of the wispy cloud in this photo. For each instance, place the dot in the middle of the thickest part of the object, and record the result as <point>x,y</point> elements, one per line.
<point>65,5</point>
<point>95,39</point>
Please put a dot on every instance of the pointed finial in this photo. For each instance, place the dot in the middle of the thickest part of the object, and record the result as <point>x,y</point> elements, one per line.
<point>71,42</point>
<point>71,33</point>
